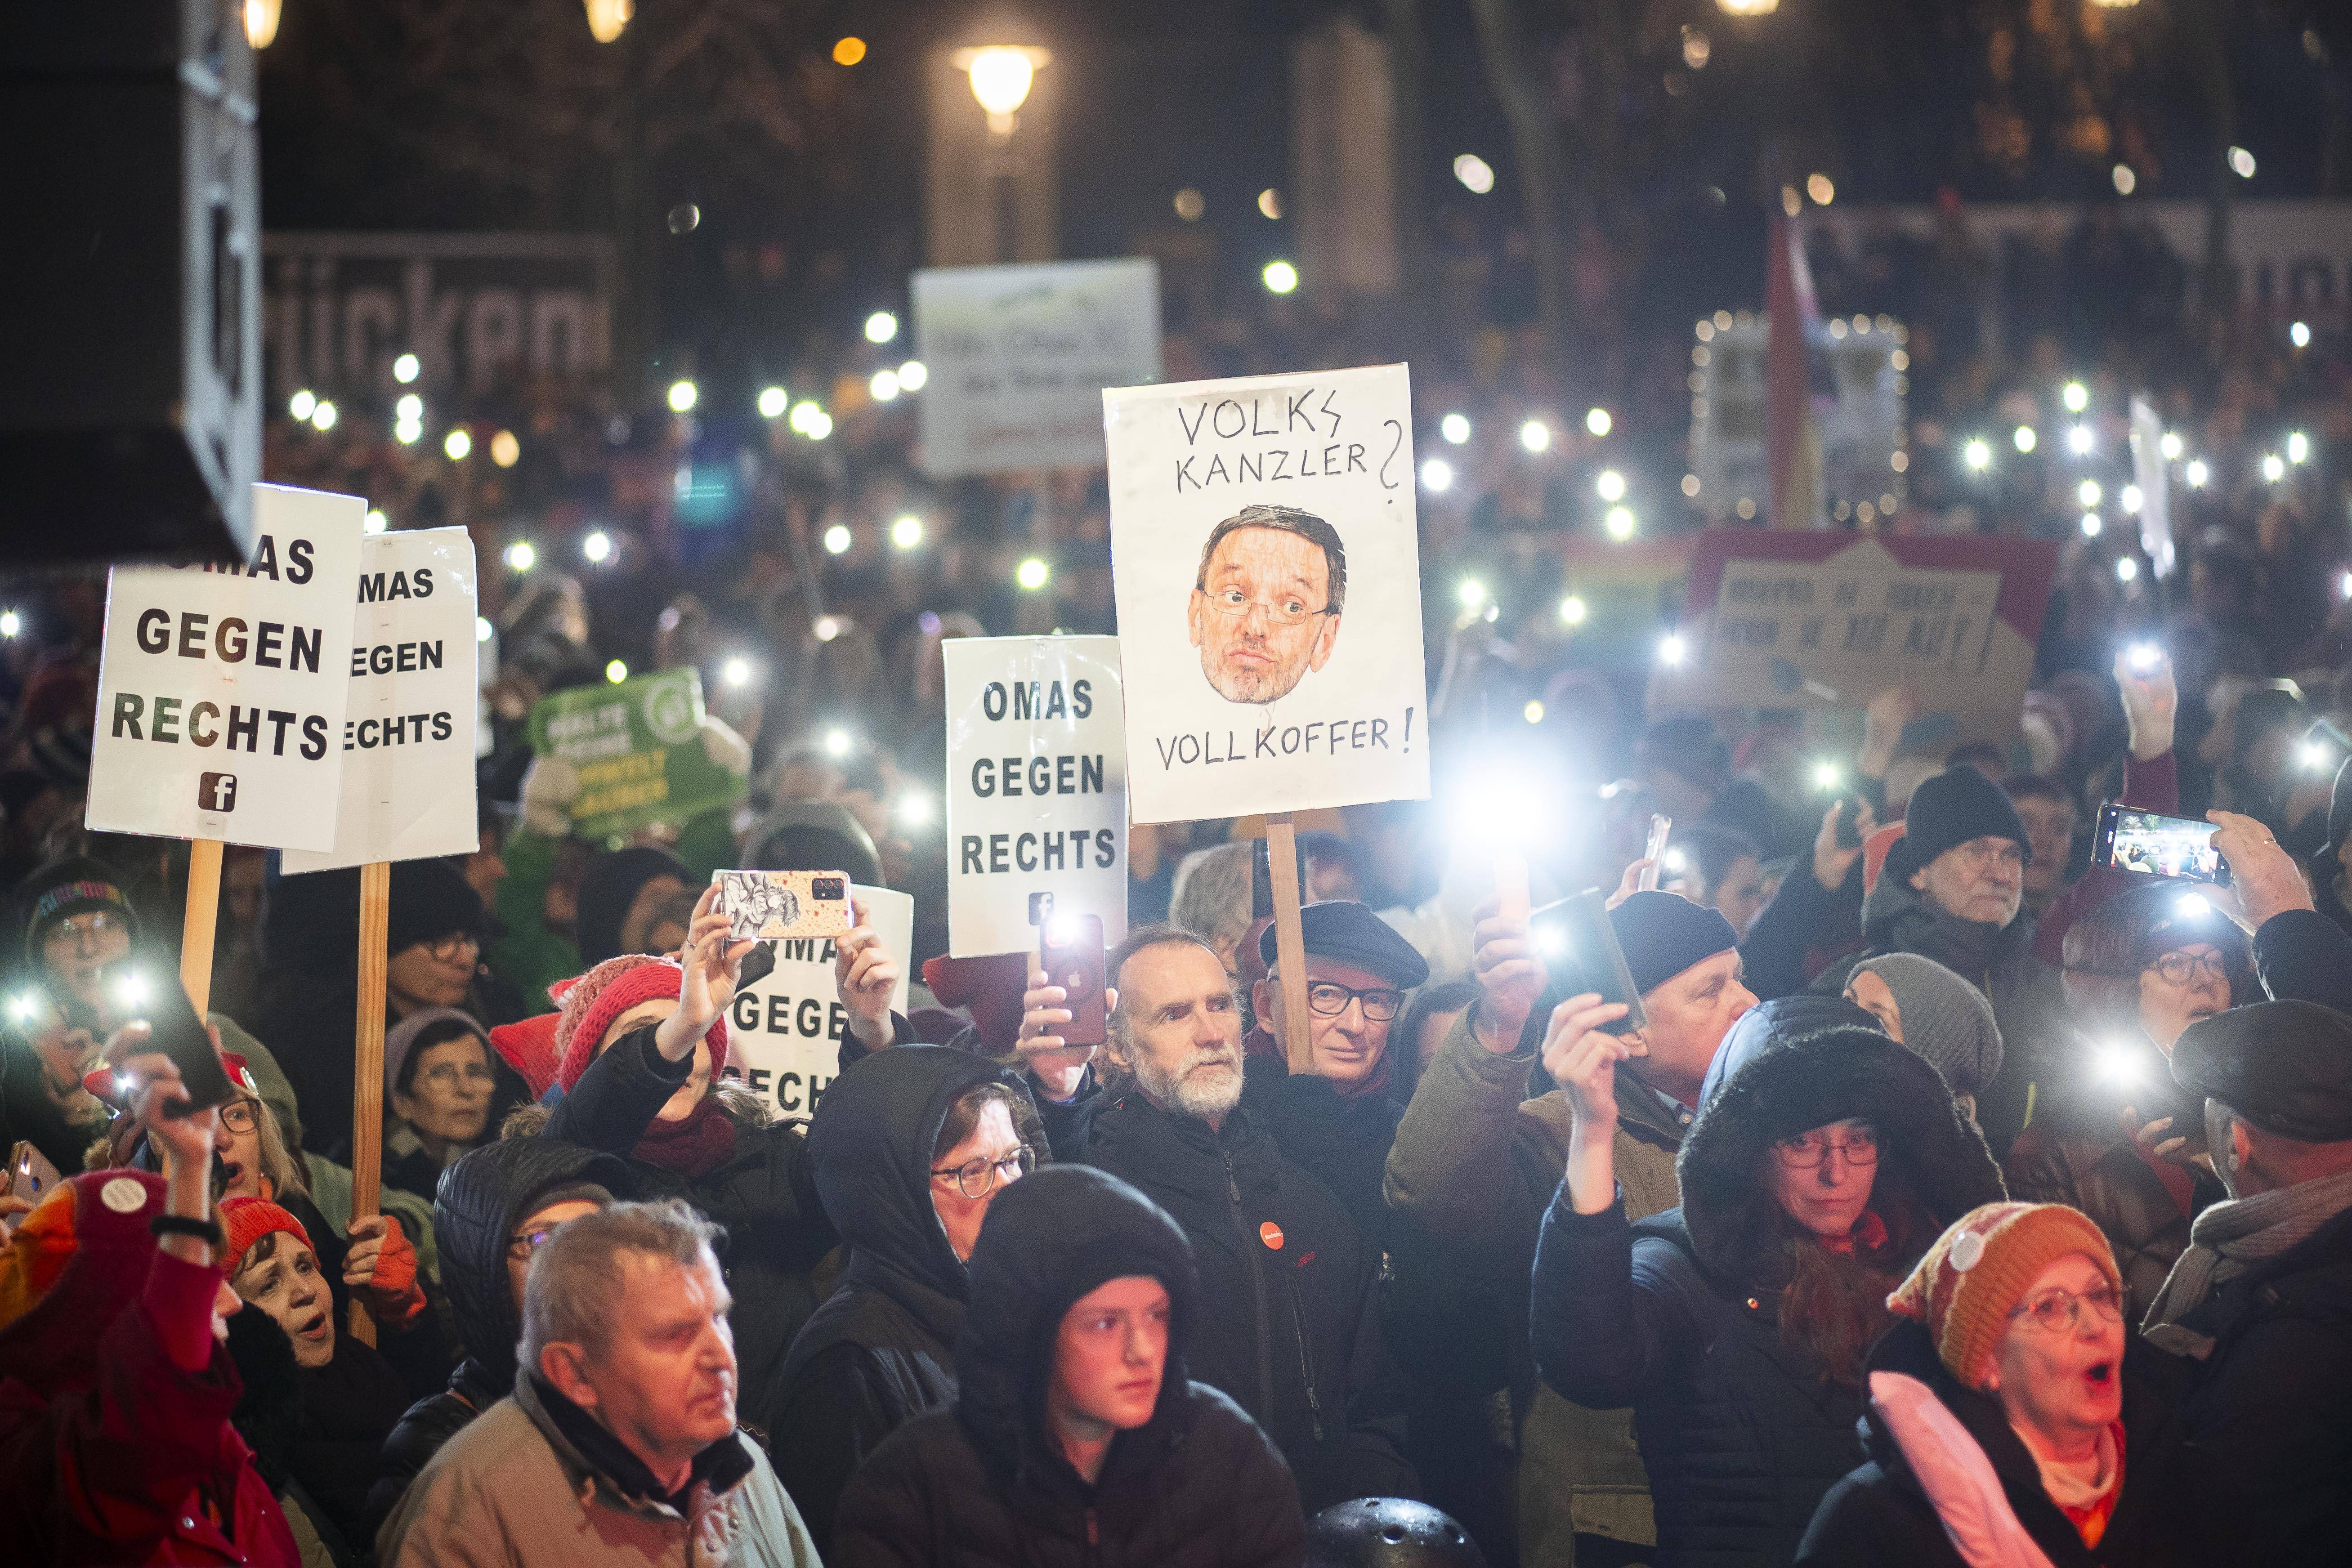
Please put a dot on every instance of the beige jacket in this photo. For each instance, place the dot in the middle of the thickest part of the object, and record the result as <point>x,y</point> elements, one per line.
<point>509,1491</point>
<point>1477,1162</point>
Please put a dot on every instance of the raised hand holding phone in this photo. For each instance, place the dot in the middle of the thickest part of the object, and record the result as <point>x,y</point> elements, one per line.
<point>1581,1056</point>
<point>867,977</point>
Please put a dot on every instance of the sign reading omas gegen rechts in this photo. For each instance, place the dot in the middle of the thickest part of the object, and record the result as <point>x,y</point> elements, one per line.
<point>1268,578</point>
<point>1036,787</point>
<point>222,690</point>
<point>408,738</point>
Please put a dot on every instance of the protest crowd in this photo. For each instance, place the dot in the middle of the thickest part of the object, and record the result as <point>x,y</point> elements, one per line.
<point>1958,1197</point>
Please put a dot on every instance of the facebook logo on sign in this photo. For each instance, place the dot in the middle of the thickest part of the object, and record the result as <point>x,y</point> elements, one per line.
<point>216,791</point>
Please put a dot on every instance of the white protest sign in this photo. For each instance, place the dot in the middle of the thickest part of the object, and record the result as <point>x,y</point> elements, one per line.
<point>784,1032</point>
<point>1036,787</point>
<point>221,690</point>
<point>1269,579</point>
<point>1016,356</point>
<point>408,737</point>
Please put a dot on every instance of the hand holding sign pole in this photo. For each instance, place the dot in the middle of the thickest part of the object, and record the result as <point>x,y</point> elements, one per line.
<point>1290,941</point>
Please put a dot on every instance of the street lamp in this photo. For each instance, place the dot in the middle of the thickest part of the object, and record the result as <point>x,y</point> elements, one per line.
<point>1747,8</point>
<point>260,18</point>
<point>1001,76</point>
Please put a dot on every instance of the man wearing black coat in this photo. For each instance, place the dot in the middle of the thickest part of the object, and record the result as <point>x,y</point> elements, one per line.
<point>1289,1285</point>
<point>2263,1298</point>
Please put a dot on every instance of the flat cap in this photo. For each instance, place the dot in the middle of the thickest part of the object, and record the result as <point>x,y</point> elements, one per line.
<point>2286,1067</point>
<point>1348,932</point>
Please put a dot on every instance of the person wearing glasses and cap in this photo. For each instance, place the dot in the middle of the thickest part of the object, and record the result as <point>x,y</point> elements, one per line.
<point>908,1148</point>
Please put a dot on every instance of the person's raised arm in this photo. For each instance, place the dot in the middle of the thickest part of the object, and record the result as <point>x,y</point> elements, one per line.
<point>1883,723</point>
<point>1059,1069</point>
<point>1808,909</point>
<point>1582,1057</point>
<point>865,976</point>
<point>712,964</point>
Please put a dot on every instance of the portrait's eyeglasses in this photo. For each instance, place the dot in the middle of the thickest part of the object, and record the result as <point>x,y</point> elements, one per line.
<point>2061,1310</point>
<point>238,1116</point>
<point>1330,999</point>
<point>1237,604</point>
<point>1806,1151</point>
<point>978,1178</point>
<point>2177,967</point>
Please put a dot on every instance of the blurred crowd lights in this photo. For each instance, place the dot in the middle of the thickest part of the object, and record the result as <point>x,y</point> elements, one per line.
<point>683,395</point>
<point>1281,277</point>
<point>2023,438</point>
<point>810,420</point>
<point>1619,523</point>
<point>848,51</point>
<point>597,547</point>
<point>2299,334</point>
<point>1535,435</point>
<point>1598,421</point>
<point>773,401</point>
<point>1269,203</point>
<point>1671,649</point>
<point>912,375</point>
<point>506,451</point>
<point>2078,440</point>
<point>2298,447</point>
<point>2090,525</point>
<point>1454,428</point>
<point>838,539</point>
<point>2196,473</point>
<point>521,556</point>
<point>2075,396</point>
<point>2274,467</point>
<point>2130,499</point>
<point>406,369</point>
<point>2127,569</point>
<point>376,521</point>
<point>1436,475</point>
<point>907,532</point>
<point>1477,175</point>
<point>302,404</point>
<point>884,385</point>
<point>915,808</point>
<point>2126,181</point>
<point>1572,610</point>
<point>11,622</point>
<point>837,743</point>
<point>1610,486</point>
<point>1032,573</point>
<point>1977,454</point>
<point>483,630</point>
<point>457,445</point>
<point>881,327</point>
<point>608,18</point>
<point>1470,593</point>
<point>736,671</point>
<point>2242,162</point>
<point>1533,713</point>
<point>824,628</point>
<point>616,672</point>
<point>2171,446</point>
<point>2088,492</point>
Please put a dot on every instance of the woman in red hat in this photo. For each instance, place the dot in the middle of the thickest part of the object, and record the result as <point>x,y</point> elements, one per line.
<point>115,1386</point>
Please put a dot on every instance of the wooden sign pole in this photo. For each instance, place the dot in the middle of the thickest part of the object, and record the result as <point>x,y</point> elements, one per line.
<point>367,1069</point>
<point>1290,941</point>
<point>197,922</point>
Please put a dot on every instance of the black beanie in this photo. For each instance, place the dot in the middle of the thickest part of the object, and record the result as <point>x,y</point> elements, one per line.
<point>431,900</point>
<point>1948,810</point>
<point>1664,933</point>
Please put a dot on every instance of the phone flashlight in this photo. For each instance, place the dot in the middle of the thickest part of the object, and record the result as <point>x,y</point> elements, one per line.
<point>1827,775</point>
<point>2143,658</point>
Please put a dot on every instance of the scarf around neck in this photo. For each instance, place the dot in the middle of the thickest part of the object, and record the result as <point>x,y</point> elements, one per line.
<point>692,1148</point>
<point>2228,1239</point>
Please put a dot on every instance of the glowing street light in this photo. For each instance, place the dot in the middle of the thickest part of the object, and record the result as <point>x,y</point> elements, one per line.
<point>260,18</point>
<point>736,671</point>
<point>2242,162</point>
<point>1001,76</point>
<point>322,416</point>
<point>883,387</point>
<point>607,18</point>
<point>2299,334</point>
<point>1572,611</point>
<point>682,396</point>
<point>504,450</point>
<point>2274,467</point>
<point>2127,569</point>
<point>11,622</point>
<point>2090,525</point>
<point>409,409</point>
<point>2130,499</point>
<point>2078,440</point>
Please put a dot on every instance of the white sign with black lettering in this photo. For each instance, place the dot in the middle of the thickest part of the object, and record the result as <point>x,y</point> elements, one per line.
<point>222,690</point>
<point>1268,578</point>
<point>1036,787</point>
<point>784,1032</point>
<point>408,738</point>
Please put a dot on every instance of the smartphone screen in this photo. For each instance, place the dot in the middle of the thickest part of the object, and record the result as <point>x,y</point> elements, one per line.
<point>1070,951</point>
<point>2156,846</point>
<point>1654,851</point>
<point>1580,948</point>
<point>179,1033</point>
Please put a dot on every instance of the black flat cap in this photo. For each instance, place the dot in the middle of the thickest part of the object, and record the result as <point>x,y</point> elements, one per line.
<point>1348,932</point>
<point>2286,1067</point>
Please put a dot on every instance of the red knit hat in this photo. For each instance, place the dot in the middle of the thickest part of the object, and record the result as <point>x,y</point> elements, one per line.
<point>592,1001</point>
<point>245,1221</point>
<point>77,1262</point>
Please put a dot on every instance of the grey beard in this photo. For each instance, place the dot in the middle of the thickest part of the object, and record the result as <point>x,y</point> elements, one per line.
<point>1183,1092</point>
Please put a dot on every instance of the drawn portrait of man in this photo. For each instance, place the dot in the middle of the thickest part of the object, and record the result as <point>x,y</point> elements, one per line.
<point>1266,606</point>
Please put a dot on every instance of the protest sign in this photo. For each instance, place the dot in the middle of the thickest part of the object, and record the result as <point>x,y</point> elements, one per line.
<point>1856,382</point>
<point>1778,619</point>
<point>638,748</point>
<point>408,736</point>
<point>1036,787</point>
<point>784,1032</point>
<point>222,690</point>
<point>1016,357</point>
<point>1267,575</point>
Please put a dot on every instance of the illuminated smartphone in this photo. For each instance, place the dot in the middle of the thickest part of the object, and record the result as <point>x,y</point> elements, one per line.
<point>1070,951</point>
<point>1579,949</point>
<point>2156,846</point>
<point>1654,851</point>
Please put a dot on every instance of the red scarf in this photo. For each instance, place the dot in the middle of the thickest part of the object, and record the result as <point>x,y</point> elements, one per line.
<point>692,1148</point>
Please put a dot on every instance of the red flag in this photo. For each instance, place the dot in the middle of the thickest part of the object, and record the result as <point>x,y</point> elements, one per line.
<point>1793,438</point>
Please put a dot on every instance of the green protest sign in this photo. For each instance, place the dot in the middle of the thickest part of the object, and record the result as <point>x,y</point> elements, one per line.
<point>638,750</point>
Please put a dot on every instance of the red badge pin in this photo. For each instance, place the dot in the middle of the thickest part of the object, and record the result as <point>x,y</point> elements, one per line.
<point>1270,1234</point>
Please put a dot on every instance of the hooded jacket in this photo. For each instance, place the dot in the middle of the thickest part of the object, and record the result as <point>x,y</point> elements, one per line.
<point>612,884</point>
<point>984,1484</point>
<point>482,1198</point>
<point>112,1452</point>
<point>1289,1289</point>
<point>881,1350</point>
<point>1679,1315</point>
<point>2026,1000</point>
<point>1881,1516</point>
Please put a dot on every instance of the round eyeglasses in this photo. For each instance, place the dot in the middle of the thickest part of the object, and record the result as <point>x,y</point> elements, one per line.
<point>1330,999</point>
<point>2061,1310</point>
<point>2178,967</point>
<point>978,1178</point>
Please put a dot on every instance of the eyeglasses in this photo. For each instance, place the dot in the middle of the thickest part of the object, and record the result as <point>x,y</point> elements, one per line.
<point>1806,1151</point>
<point>1331,999</point>
<point>446,1076</point>
<point>978,1178</point>
<point>238,1116</point>
<point>2007,853</point>
<point>448,947</point>
<point>2061,1310</point>
<point>1288,611</point>
<point>522,1244</point>
<point>2177,967</point>
<point>85,928</point>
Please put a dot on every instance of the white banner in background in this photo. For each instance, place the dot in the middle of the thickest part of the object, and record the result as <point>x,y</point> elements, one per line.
<point>1036,787</point>
<point>784,1033</point>
<point>1269,579</point>
<point>1018,357</point>
<point>222,690</point>
<point>408,738</point>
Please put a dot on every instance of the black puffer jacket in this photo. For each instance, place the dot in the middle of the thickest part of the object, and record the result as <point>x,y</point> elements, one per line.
<point>984,1485</point>
<point>482,1198</point>
<point>1679,1315</point>
<point>1290,1289</point>
<point>881,1350</point>
<point>1878,1517</point>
